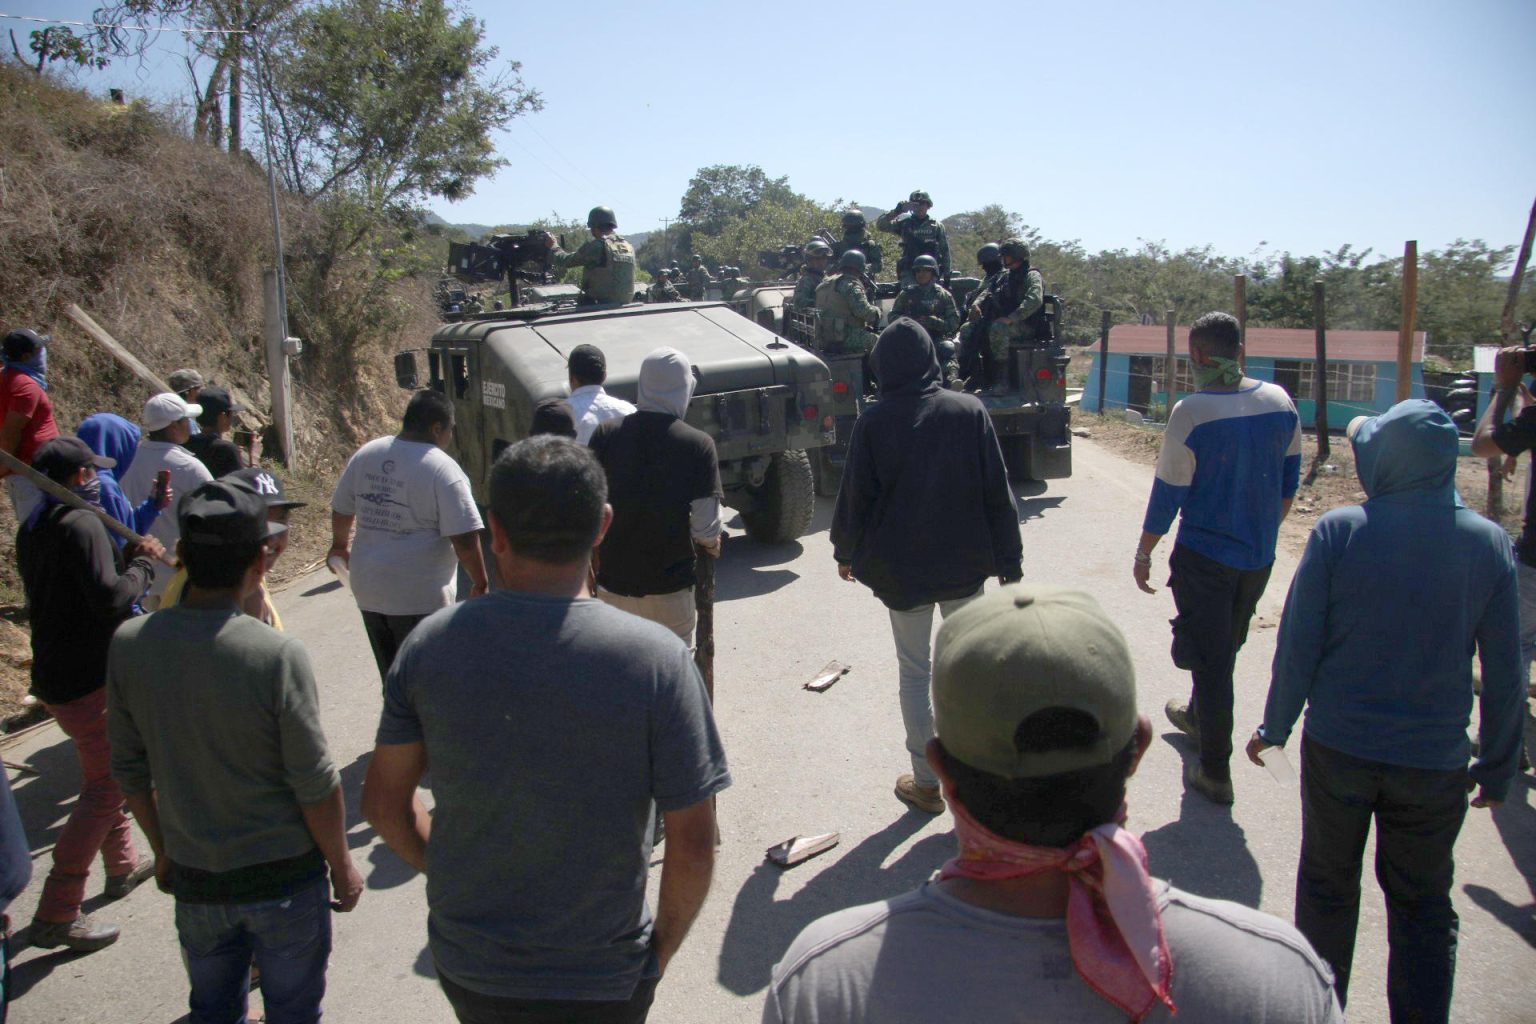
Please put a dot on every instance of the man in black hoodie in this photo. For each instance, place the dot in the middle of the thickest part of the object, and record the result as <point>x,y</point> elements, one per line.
<point>924,516</point>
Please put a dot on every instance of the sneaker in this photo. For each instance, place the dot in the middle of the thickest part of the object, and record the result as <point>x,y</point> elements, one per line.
<point>1183,719</point>
<point>119,886</point>
<point>82,934</point>
<point>1214,791</point>
<point>924,798</point>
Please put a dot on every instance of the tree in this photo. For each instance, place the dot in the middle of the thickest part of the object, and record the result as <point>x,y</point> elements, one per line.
<point>722,193</point>
<point>60,43</point>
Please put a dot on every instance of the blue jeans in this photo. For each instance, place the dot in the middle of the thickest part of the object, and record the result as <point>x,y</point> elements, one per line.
<point>290,939</point>
<point>1418,814</point>
<point>913,632</point>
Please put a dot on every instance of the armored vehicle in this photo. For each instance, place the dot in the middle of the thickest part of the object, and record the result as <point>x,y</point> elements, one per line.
<point>758,397</point>
<point>763,303</point>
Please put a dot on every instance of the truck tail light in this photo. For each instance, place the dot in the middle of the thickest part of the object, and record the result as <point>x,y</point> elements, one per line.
<point>1043,374</point>
<point>809,412</point>
<point>839,387</point>
<point>1061,382</point>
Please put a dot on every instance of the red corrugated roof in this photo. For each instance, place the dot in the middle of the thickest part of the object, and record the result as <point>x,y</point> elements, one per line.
<point>1272,343</point>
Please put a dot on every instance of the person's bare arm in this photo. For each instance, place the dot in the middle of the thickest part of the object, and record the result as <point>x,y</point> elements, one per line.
<point>327,824</point>
<point>147,813</point>
<point>1509,367</point>
<point>686,870</point>
<point>1285,506</point>
<point>472,558</point>
<point>390,803</point>
<point>341,536</point>
<point>11,429</point>
<point>1141,568</point>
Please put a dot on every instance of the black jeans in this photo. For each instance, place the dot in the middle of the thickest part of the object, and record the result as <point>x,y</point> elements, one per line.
<point>385,635</point>
<point>1418,815</point>
<point>475,1008</point>
<point>1215,603</point>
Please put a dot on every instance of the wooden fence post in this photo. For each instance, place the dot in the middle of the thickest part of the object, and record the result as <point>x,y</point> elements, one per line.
<point>1405,331</point>
<point>1320,391</point>
<point>1170,368</point>
<point>1103,356</point>
<point>1240,310</point>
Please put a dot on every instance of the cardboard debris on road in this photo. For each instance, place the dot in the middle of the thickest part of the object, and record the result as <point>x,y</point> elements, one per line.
<point>801,848</point>
<point>829,674</point>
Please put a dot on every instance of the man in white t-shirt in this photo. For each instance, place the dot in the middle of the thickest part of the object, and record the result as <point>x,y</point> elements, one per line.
<point>1048,913</point>
<point>167,423</point>
<point>590,404</point>
<point>416,521</point>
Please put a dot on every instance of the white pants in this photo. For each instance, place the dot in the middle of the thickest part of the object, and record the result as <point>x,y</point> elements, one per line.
<point>913,632</point>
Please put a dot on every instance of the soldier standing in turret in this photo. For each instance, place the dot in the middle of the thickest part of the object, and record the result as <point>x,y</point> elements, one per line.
<point>1020,295</point>
<point>921,235</point>
<point>856,237</point>
<point>931,304</point>
<point>817,253</point>
<point>973,336</point>
<point>847,317</point>
<point>699,279</point>
<point>607,261</point>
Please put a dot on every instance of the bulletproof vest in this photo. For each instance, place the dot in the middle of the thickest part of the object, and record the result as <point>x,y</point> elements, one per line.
<point>837,327</point>
<point>921,299</point>
<point>919,239</point>
<point>1010,292</point>
<point>613,279</point>
<point>864,244</point>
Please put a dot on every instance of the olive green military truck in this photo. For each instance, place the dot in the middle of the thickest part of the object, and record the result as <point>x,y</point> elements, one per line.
<point>760,398</point>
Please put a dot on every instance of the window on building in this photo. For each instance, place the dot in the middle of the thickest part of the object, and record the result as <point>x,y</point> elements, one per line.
<point>1182,381</point>
<point>1347,382</point>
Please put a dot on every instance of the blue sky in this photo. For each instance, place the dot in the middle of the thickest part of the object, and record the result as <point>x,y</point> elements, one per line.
<point>1302,125</point>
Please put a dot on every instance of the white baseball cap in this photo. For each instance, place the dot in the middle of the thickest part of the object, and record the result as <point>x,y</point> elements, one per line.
<point>166,408</point>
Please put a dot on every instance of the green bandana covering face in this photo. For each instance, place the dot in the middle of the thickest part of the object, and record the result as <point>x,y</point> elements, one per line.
<point>1221,370</point>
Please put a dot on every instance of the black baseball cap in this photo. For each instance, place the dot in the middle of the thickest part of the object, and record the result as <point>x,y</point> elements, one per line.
<point>268,486</point>
<point>220,514</point>
<point>215,400</point>
<point>59,457</point>
<point>587,362</point>
<point>24,341</point>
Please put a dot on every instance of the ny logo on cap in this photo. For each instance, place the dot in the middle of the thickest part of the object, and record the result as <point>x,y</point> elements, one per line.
<point>265,484</point>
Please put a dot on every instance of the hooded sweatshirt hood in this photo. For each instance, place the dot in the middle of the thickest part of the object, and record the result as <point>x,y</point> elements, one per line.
<point>904,359</point>
<point>108,434</point>
<point>1408,453</point>
<point>666,383</point>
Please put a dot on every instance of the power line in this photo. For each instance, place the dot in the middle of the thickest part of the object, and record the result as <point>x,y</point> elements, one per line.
<point>130,25</point>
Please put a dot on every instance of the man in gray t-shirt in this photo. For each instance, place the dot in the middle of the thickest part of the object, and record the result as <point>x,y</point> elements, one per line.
<point>555,727</point>
<point>1048,913</point>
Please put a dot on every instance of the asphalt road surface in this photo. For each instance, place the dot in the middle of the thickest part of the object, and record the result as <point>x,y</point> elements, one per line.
<point>807,763</point>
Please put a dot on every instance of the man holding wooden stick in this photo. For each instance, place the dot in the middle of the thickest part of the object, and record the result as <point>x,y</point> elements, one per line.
<point>81,588</point>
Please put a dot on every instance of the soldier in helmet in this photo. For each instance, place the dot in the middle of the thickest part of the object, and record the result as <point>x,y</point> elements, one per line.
<point>661,289</point>
<point>930,304</point>
<point>607,261</point>
<point>699,279</point>
<point>817,255</point>
<point>856,236</point>
<point>1020,295</point>
<point>731,282</point>
<point>973,336</point>
<point>847,317</point>
<point>921,235</point>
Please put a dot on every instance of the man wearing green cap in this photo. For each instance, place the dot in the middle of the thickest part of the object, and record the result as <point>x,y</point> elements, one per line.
<point>1049,903</point>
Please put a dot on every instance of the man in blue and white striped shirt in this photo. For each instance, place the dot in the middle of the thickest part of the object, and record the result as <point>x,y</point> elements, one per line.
<point>1229,467</point>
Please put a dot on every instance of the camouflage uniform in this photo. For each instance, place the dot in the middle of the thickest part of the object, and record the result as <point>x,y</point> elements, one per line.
<point>699,280</point>
<point>918,238</point>
<point>861,241</point>
<point>1019,296</point>
<point>973,334</point>
<point>608,268</point>
<point>930,305</point>
<point>662,291</point>
<point>805,289</point>
<point>846,314</point>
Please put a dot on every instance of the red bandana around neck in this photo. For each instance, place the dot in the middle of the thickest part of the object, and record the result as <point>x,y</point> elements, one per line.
<point>1114,929</point>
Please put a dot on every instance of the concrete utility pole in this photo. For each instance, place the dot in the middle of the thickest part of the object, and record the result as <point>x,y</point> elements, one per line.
<point>279,348</point>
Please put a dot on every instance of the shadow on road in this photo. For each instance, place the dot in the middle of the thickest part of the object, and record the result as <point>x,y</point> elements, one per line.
<point>1516,821</point>
<point>27,973</point>
<point>45,799</point>
<point>324,588</point>
<point>761,927</point>
<point>1205,851</point>
<point>746,568</point>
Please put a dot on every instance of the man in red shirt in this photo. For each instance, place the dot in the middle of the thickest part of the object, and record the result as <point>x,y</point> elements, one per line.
<point>26,415</point>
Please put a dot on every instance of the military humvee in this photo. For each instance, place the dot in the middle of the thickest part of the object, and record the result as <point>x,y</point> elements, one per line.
<point>760,398</point>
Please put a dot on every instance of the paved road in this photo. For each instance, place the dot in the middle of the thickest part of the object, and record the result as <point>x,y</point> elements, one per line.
<point>809,763</point>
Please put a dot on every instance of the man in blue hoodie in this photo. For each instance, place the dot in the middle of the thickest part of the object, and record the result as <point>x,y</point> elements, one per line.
<point>924,515</point>
<point>1385,609</point>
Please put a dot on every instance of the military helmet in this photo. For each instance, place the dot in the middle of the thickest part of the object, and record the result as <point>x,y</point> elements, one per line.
<point>853,260</point>
<point>663,273</point>
<point>919,196</point>
<point>989,253</point>
<point>697,258</point>
<point>925,263</point>
<point>816,247</point>
<point>853,219</point>
<point>1015,247</point>
<point>602,217</point>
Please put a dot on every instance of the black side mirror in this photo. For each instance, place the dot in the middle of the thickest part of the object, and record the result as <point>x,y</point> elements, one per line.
<point>405,370</point>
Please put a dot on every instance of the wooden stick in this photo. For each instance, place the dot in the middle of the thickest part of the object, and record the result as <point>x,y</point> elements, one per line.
<point>1321,376</point>
<point>114,348</point>
<point>1240,309</point>
<point>1405,332</point>
<point>1103,356</point>
<point>69,497</point>
<point>1170,368</point>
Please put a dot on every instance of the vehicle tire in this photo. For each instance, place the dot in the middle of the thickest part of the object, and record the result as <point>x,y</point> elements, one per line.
<point>786,501</point>
<point>1018,456</point>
